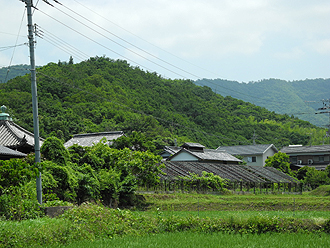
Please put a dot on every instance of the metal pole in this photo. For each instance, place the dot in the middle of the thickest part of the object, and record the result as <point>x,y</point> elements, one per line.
<point>34,97</point>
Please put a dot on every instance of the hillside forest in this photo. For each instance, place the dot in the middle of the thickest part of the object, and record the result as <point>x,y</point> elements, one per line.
<point>102,94</point>
<point>301,98</point>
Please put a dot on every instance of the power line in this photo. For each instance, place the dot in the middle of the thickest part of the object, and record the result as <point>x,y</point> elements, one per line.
<point>96,42</point>
<point>172,54</point>
<point>60,44</point>
<point>148,53</point>
<point>59,40</point>
<point>117,43</point>
<point>9,47</point>
<point>12,56</point>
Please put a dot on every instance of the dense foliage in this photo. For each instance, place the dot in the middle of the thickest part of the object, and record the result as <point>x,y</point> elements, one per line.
<point>106,95</point>
<point>98,173</point>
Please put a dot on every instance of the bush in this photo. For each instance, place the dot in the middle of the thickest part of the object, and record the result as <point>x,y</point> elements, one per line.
<point>20,202</point>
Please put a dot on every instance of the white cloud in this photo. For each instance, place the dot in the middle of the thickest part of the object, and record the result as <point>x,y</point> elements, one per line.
<point>220,31</point>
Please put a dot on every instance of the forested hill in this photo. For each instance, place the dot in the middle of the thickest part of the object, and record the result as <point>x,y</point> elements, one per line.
<point>105,95</point>
<point>299,98</point>
<point>7,73</point>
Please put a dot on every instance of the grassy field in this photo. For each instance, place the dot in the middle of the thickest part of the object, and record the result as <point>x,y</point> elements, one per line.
<point>189,239</point>
<point>190,220</point>
<point>209,202</point>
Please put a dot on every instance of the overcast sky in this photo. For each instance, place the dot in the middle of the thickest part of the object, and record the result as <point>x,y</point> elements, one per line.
<point>241,40</point>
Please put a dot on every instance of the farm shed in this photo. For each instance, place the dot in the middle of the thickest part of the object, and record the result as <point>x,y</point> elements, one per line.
<point>237,175</point>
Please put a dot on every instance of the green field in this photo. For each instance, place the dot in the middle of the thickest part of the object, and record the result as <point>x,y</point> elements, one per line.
<point>182,220</point>
<point>188,239</point>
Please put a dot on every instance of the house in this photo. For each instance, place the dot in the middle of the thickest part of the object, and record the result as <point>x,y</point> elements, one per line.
<point>15,137</point>
<point>252,154</point>
<point>195,152</point>
<point>169,151</point>
<point>89,139</point>
<point>313,156</point>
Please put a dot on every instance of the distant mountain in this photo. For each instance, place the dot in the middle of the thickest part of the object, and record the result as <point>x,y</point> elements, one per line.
<point>7,73</point>
<point>299,98</point>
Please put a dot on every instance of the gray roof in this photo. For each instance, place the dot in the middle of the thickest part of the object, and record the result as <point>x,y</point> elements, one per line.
<point>247,149</point>
<point>5,151</point>
<point>210,155</point>
<point>306,149</point>
<point>171,149</point>
<point>240,173</point>
<point>192,145</point>
<point>12,135</point>
<point>89,139</point>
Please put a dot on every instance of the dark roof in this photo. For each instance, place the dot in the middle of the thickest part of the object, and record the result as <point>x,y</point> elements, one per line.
<point>89,139</point>
<point>247,149</point>
<point>5,151</point>
<point>14,136</point>
<point>306,149</point>
<point>209,155</point>
<point>192,145</point>
<point>240,173</point>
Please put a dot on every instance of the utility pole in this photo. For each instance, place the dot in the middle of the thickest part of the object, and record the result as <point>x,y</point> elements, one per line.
<point>29,6</point>
<point>254,137</point>
<point>325,110</point>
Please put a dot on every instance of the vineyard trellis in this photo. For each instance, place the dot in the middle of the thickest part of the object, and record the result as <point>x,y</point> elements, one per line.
<point>239,178</point>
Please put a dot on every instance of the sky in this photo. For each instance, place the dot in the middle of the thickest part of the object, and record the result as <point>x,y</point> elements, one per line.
<point>239,40</point>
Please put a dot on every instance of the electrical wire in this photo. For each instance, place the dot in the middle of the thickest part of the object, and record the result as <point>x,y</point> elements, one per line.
<point>148,53</point>
<point>12,56</point>
<point>60,44</point>
<point>96,42</point>
<point>59,40</point>
<point>9,47</point>
<point>117,43</point>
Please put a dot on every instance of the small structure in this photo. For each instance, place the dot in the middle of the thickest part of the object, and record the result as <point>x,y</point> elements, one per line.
<point>13,136</point>
<point>89,139</point>
<point>197,153</point>
<point>252,154</point>
<point>312,156</point>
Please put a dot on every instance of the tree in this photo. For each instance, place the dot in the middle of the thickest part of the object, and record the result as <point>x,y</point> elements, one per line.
<point>54,150</point>
<point>137,141</point>
<point>280,161</point>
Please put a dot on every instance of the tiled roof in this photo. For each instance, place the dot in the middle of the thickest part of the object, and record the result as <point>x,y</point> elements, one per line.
<point>247,149</point>
<point>9,152</point>
<point>89,139</point>
<point>306,149</point>
<point>210,155</point>
<point>12,135</point>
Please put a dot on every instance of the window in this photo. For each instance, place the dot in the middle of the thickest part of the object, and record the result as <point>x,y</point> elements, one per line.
<point>252,159</point>
<point>321,159</point>
<point>293,160</point>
